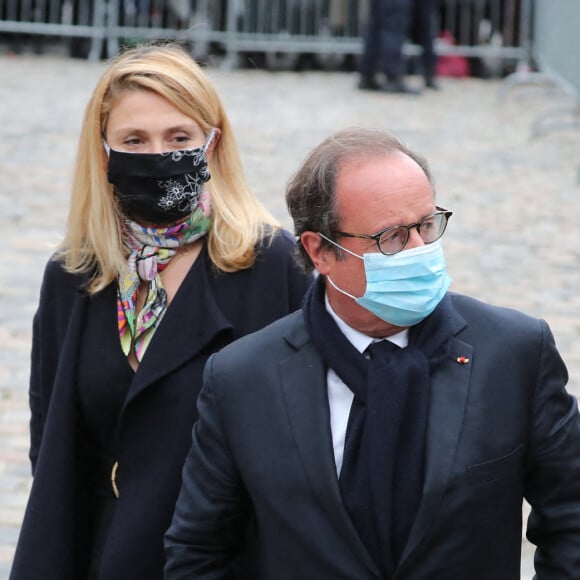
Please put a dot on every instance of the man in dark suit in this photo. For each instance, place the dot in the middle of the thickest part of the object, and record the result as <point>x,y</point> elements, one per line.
<point>354,457</point>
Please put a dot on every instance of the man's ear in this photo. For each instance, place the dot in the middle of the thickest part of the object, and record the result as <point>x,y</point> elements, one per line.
<point>318,252</point>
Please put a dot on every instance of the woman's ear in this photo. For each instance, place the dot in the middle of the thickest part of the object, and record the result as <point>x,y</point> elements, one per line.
<point>318,252</point>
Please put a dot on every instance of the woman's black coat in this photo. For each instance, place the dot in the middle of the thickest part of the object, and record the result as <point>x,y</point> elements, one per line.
<point>156,419</point>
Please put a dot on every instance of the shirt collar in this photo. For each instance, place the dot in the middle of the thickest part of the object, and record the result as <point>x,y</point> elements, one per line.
<point>359,340</point>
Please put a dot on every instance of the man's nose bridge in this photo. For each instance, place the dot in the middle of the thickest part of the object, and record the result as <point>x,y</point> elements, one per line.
<point>415,238</point>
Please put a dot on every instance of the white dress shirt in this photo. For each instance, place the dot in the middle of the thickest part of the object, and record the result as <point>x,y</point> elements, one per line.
<point>339,395</point>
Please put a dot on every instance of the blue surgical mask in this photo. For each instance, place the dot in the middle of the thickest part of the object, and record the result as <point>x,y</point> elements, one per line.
<point>403,288</point>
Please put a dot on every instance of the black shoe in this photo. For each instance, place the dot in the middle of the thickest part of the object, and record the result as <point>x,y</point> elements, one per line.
<point>431,83</point>
<point>368,84</point>
<point>399,87</point>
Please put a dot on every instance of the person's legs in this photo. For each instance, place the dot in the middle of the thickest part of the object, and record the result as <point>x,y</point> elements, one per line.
<point>387,28</point>
<point>396,21</point>
<point>396,18</point>
<point>371,55</point>
<point>424,25</point>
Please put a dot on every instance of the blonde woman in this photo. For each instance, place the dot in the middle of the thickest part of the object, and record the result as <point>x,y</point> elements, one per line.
<point>167,257</point>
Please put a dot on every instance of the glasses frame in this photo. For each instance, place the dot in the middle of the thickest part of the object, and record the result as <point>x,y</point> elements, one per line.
<point>376,237</point>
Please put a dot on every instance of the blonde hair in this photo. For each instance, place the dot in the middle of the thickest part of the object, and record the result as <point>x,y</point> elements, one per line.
<point>93,241</point>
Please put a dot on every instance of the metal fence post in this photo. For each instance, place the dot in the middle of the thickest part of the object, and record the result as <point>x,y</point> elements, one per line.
<point>231,60</point>
<point>112,23</point>
<point>202,24</point>
<point>98,31</point>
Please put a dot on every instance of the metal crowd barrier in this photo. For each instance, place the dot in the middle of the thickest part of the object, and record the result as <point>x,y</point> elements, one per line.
<point>558,74</point>
<point>556,31</point>
<point>499,29</point>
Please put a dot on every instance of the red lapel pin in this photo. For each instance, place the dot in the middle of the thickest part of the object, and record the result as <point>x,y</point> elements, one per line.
<point>462,360</point>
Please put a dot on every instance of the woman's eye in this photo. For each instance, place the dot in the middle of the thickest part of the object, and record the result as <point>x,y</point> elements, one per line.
<point>182,139</point>
<point>132,141</point>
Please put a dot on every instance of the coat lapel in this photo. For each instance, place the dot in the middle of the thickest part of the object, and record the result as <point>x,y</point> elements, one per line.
<point>303,377</point>
<point>191,323</point>
<point>448,402</point>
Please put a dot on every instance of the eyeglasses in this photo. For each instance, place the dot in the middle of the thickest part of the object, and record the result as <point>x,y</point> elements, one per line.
<point>393,239</point>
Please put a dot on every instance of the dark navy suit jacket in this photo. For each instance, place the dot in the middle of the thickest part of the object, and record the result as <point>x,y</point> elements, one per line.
<point>501,428</point>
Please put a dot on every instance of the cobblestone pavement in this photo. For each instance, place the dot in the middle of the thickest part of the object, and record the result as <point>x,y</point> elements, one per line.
<point>514,238</point>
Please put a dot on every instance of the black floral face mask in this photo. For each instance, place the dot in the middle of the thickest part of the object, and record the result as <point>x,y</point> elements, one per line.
<point>159,188</point>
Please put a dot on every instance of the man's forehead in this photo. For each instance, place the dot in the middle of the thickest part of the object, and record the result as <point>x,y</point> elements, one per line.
<point>382,191</point>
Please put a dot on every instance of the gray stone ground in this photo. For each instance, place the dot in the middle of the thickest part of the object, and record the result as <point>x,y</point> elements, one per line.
<point>514,238</point>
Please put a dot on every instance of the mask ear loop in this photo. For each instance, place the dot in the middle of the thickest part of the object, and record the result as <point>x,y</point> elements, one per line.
<point>340,247</point>
<point>107,148</point>
<point>340,289</point>
<point>210,139</point>
<point>328,277</point>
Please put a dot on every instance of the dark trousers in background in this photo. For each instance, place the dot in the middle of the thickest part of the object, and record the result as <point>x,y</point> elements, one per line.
<point>387,29</point>
<point>423,32</point>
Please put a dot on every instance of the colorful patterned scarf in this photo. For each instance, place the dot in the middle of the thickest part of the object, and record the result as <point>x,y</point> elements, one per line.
<point>151,249</point>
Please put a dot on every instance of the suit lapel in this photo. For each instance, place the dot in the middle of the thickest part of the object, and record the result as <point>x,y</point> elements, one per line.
<point>448,402</point>
<point>192,321</point>
<point>303,379</point>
